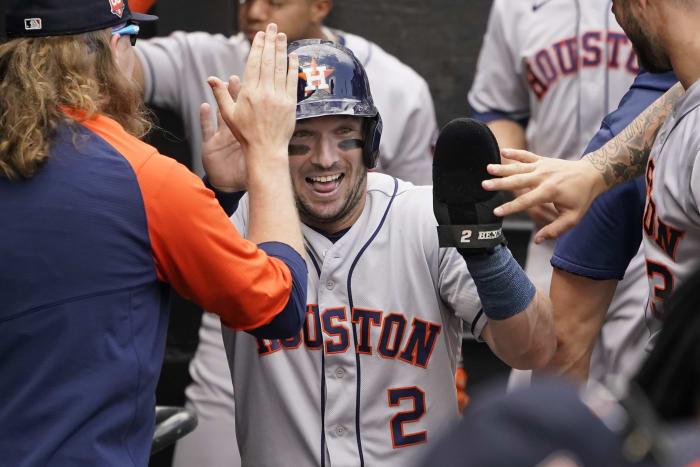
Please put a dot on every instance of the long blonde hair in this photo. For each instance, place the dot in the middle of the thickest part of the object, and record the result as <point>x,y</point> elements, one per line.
<point>39,76</point>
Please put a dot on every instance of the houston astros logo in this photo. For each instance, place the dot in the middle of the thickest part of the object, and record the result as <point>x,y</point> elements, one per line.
<point>117,7</point>
<point>315,77</point>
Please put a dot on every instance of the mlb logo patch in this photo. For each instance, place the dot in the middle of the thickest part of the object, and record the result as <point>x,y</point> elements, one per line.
<point>32,24</point>
<point>117,7</point>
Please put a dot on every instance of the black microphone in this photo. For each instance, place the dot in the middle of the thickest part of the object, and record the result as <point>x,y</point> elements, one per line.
<point>463,209</point>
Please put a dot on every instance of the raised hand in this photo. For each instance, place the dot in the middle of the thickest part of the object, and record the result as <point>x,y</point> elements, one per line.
<point>222,155</point>
<point>262,118</point>
<point>570,185</point>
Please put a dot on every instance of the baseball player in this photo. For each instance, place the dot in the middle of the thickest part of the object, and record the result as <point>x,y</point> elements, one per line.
<point>671,222</point>
<point>370,378</point>
<point>549,71</point>
<point>97,226</point>
<point>590,259</point>
<point>173,71</point>
<point>671,225</point>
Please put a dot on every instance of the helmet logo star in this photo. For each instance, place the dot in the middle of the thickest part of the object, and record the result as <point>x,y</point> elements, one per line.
<point>315,77</point>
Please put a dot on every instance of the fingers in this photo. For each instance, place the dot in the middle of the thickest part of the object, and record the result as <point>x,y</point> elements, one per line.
<point>523,163</point>
<point>222,96</point>
<point>505,170</point>
<point>510,183</point>
<point>219,120</point>
<point>521,203</point>
<point>519,155</point>
<point>252,68</point>
<point>556,228</point>
<point>292,76</point>
<point>267,67</point>
<point>281,62</point>
<point>234,87</point>
<point>205,121</point>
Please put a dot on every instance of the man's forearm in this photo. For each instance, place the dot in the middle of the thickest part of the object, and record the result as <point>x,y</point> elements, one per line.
<point>625,156</point>
<point>508,133</point>
<point>273,212</point>
<point>579,307</point>
<point>526,340</point>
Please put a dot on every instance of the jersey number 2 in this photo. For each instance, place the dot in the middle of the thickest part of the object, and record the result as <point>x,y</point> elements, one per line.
<point>398,437</point>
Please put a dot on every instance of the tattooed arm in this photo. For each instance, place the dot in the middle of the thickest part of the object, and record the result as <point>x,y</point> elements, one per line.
<point>573,185</point>
<point>625,156</point>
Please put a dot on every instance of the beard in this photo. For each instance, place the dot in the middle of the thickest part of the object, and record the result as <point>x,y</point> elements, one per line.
<point>307,212</point>
<point>649,53</point>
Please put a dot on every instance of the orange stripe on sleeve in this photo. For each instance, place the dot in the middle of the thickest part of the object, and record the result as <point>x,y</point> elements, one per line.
<point>195,247</point>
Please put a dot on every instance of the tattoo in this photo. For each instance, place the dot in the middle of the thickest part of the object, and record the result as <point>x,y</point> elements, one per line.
<point>625,156</point>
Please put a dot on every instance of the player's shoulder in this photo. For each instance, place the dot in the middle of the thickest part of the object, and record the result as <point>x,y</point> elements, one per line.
<point>219,42</point>
<point>512,23</point>
<point>409,202</point>
<point>681,127</point>
<point>688,106</point>
<point>198,42</point>
<point>380,64</point>
<point>517,9</point>
<point>386,185</point>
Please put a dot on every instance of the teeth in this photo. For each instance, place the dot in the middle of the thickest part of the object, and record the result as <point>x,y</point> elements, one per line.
<point>327,178</point>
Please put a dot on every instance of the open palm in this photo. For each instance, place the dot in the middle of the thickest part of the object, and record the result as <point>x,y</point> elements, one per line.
<point>222,155</point>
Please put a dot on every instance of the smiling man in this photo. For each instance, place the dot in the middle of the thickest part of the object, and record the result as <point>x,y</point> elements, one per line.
<point>329,190</point>
<point>369,380</point>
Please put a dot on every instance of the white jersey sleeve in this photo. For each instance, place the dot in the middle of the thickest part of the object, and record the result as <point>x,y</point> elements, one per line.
<point>499,89</point>
<point>406,106</point>
<point>458,289</point>
<point>176,68</point>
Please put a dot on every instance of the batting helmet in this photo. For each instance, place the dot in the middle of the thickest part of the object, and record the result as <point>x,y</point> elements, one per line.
<point>332,81</point>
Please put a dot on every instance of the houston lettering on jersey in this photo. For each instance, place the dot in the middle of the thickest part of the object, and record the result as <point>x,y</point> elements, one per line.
<point>562,59</point>
<point>332,329</point>
<point>667,238</point>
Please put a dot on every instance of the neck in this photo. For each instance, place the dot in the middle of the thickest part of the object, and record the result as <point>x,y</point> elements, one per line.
<point>337,225</point>
<point>682,41</point>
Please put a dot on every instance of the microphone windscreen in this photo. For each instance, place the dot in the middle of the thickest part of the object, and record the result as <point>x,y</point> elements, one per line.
<point>463,149</point>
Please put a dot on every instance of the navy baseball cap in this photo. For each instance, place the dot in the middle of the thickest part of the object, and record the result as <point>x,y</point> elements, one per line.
<point>40,18</point>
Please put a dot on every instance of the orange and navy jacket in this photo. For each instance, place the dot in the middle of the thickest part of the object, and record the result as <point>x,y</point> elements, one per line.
<point>89,248</point>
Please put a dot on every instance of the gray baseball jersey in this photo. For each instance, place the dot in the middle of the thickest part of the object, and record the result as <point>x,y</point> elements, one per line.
<point>558,67</point>
<point>671,226</point>
<point>372,374</point>
<point>176,68</point>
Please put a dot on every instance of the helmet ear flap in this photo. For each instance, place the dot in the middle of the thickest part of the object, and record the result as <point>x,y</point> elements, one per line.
<point>372,136</point>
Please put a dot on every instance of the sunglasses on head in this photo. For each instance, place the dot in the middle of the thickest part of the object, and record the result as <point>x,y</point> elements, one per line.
<point>129,29</point>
